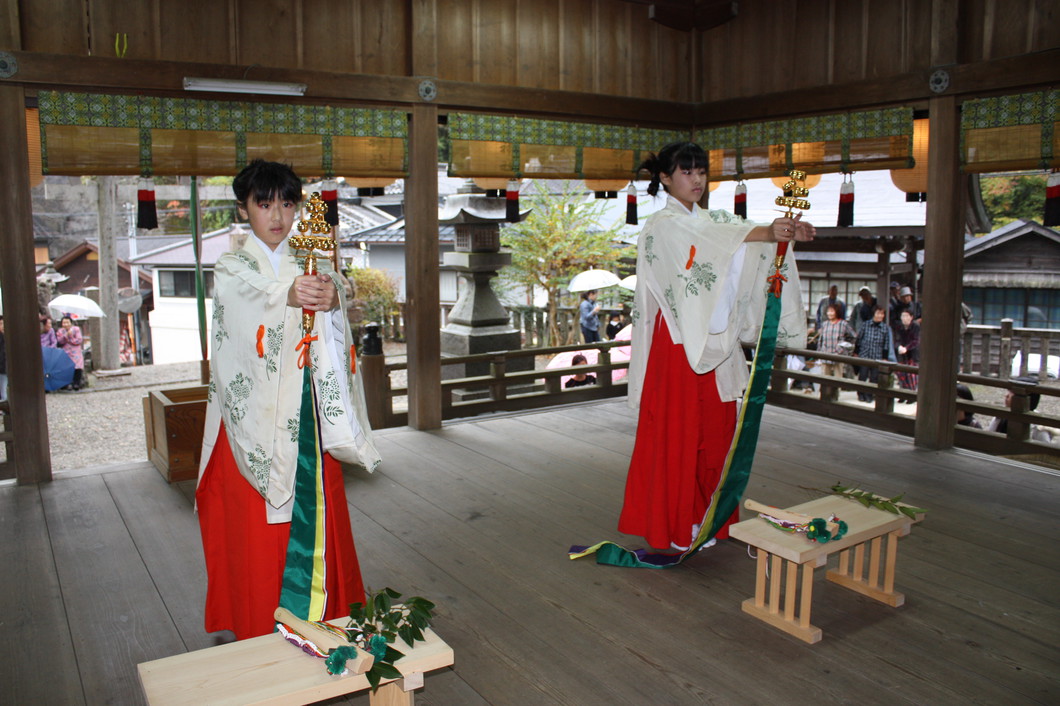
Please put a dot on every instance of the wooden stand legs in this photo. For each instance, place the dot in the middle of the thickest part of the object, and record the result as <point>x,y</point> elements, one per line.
<point>853,577</point>
<point>774,574</point>
<point>769,609</point>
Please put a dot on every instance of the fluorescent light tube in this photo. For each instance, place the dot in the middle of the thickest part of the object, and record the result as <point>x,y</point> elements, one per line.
<point>224,85</point>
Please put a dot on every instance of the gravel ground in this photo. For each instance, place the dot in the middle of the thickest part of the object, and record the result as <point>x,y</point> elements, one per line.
<point>103,424</point>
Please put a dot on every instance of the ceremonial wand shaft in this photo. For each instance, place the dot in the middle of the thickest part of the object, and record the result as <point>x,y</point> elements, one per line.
<point>794,198</point>
<point>314,235</point>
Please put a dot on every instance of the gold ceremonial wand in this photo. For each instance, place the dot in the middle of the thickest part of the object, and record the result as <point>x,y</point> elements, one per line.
<point>796,201</point>
<point>315,235</point>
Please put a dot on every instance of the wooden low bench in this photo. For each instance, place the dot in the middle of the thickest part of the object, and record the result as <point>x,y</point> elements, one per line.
<point>780,554</point>
<point>270,670</point>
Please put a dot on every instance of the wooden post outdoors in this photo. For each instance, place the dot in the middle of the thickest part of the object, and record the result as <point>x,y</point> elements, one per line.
<point>423,335</point>
<point>943,273</point>
<point>105,348</point>
<point>25,370</point>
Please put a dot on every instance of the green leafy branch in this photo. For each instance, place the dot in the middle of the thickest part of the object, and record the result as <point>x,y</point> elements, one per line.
<point>374,626</point>
<point>892,505</point>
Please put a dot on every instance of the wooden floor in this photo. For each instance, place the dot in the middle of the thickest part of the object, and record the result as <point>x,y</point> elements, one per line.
<point>103,570</point>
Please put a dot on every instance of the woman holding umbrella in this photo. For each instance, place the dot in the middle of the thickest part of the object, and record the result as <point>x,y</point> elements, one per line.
<point>70,339</point>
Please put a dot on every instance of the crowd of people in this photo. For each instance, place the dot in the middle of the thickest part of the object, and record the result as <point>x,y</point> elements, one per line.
<point>68,338</point>
<point>869,330</point>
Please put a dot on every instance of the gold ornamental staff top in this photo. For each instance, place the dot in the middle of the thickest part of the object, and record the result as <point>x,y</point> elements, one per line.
<point>797,200</point>
<point>314,236</point>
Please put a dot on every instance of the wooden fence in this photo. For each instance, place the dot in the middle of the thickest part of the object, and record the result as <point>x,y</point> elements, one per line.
<point>386,390</point>
<point>986,349</point>
<point>531,322</point>
<point>501,390</point>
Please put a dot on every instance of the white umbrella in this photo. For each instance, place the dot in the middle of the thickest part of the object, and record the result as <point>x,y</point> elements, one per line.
<point>629,283</point>
<point>592,279</point>
<point>74,304</point>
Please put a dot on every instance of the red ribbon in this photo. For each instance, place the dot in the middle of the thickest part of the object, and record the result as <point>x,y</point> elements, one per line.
<point>261,335</point>
<point>303,347</point>
<point>777,280</point>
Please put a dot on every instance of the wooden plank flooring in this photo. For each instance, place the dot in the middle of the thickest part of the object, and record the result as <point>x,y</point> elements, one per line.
<point>103,570</point>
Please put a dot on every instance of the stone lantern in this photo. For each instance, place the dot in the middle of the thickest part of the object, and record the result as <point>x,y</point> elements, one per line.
<point>478,323</point>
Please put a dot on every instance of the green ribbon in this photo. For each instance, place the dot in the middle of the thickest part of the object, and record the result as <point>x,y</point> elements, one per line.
<point>302,547</point>
<point>737,468</point>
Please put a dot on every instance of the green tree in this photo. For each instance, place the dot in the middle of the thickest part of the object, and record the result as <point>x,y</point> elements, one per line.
<point>1009,198</point>
<point>562,236</point>
<point>374,291</point>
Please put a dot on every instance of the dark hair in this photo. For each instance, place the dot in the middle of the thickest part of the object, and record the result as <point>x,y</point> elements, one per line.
<point>585,295</point>
<point>964,393</point>
<point>265,181</point>
<point>878,308</point>
<point>676,155</point>
<point>65,317</point>
<point>579,360</point>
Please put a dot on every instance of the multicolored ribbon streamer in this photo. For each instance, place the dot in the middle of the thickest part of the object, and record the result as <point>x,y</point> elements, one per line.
<point>737,468</point>
<point>304,591</point>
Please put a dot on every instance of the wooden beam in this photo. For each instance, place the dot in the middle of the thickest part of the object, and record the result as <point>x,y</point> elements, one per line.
<point>105,74</point>
<point>422,328</point>
<point>700,16</point>
<point>25,371</point>
<point>943,271</point>
<point>1011,74</point>
<point>99,73</point>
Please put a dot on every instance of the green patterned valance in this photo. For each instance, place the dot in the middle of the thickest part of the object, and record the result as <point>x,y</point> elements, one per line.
<point>505,146</point>
<point>84,133</point>
<point>872,139</point>
<point>1011,132</point>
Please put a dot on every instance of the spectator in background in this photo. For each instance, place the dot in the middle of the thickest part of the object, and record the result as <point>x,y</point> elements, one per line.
<point>907,340</point>
<point>874,342</point>
<point>1048,435</point>
<point>588,311</point>
<point>862,311</point>
<point>834,331</point>
<point>580,379</point>
<point>966,419</point>
<point>831,300</point>
<point>47,333</point>
<point>906,303</point>
<point>893,300</point>
<point>614,325</point>
<point>70,340</point>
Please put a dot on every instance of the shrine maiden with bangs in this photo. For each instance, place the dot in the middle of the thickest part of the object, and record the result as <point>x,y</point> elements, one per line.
<point>701,291</point>
<point>285,406</point>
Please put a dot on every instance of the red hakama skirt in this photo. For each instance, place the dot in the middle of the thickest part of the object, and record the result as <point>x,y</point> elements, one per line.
<point>683,436</point>
<point>245,555</point>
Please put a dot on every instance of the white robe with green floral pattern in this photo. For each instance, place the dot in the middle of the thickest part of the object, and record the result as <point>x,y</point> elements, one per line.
<point>710,286</point>
<point>258,395</point>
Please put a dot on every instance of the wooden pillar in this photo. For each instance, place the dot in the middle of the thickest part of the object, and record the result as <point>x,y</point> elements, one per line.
<point>422,332</point>
<point>105,348</point>
<point>25,372</point>
<point>943,273</point>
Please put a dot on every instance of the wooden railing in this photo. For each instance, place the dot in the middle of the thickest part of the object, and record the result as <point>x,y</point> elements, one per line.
<point>500,390</point>
<point>990,350</point>
<point>882,415</point>
<point>506,389</point>
<point>531,322</point>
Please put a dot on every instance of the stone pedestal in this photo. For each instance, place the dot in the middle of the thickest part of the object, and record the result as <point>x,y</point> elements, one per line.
<point>478,323</point>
